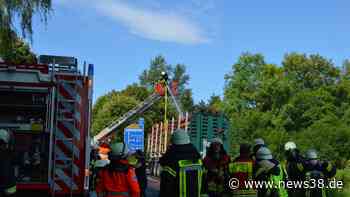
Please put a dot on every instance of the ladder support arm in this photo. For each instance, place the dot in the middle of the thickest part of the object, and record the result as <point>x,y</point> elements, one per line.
<point>178,108</point>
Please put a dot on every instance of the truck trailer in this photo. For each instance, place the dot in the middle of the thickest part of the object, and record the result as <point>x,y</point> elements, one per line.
<point>47,107</point>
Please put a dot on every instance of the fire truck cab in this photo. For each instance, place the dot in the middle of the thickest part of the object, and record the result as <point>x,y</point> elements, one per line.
<point>47,108</point>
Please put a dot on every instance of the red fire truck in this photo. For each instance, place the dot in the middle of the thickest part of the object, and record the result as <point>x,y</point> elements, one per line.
<point>47,107</point>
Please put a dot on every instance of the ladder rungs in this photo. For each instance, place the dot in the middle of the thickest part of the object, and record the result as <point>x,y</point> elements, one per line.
<point>65,111</point>
<point>67,101</point>
<point>67,81</point>
<point>63,159</point>
<point>66,119</point>
<point>65,139</point>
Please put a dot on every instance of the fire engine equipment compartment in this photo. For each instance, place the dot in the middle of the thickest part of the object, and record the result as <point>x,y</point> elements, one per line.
<point>24,112</point>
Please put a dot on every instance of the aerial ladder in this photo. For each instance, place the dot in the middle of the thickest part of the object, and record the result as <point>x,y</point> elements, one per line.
<point>139,109</point>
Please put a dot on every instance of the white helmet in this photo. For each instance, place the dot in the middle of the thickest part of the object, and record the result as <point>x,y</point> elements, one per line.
<point>264,153</point>
<point>217,140</point>
<point>290,146</point>
<point>259,141</point>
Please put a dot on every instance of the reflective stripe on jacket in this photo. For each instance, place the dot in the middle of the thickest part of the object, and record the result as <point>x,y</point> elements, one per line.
<point>186,167</point>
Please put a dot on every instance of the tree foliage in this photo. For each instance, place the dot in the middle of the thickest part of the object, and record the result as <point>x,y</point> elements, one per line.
<point>19,54</point>
<point>109,108</point>
<point>306,99</point>
<point>177,73</point>
<point>23,10</point>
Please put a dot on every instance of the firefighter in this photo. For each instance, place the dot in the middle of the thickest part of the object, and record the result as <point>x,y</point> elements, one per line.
<point>117,179</point>
<point>97,165</point>
<point>7,170</point>
<point>258,143</point>
<point>141,171</point>
<point>164,76</point>
<point>137,160</point>
<point>241,169</point>
<point>293,168</point>
<point>216,169</point>
<point>268,170</point>
<point>103,151</point>
<point>317,171</point>
<point>181,174</point>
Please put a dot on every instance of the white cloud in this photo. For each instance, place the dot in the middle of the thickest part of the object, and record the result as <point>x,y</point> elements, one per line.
<point>153,24</point>
<point>149,23</point>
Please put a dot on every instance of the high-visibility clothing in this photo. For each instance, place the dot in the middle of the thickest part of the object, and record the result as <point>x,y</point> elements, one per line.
<point>315,176</point>
<point>132,160</point>
<point>7,173</point>
<point>243,171</point>
<point>189,185</point>
<point>113,183</point>
<point>11,190</point>
<point>314,172</point>
<point>242,168</point>
<point>276,180</point>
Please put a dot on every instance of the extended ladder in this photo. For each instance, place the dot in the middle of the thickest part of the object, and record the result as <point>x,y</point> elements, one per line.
<point>136,110</point>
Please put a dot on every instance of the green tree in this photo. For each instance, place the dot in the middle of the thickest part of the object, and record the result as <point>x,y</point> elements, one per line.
<point>23,10</point>
<point>110,107</point>
<point>140,93</point>
<point>305,100</point>
<point>242,82</point>
<point>215,103</point>
<point>152,75</point>
<point>19,54</point>
<point>179,75</point>
<point>310,71</point>
<point>346,69</point>
<point>200,107</point>
<point>186,101</point>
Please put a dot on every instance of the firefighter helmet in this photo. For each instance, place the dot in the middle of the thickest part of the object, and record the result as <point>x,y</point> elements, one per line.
<point>4,136</point>
<point>259,141</point>
<point>290,146</point>
<point>217,140</point>
<point>311,154</point>
<point>264,153</point>
<point>180,137</point>
<point>119,150</point>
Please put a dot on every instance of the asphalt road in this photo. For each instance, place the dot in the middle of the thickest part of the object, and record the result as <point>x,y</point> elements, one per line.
<point>153,187</point>
<point>152,190</point>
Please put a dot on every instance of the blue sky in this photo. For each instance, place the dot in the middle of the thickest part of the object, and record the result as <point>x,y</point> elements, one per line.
<point>122,36</point>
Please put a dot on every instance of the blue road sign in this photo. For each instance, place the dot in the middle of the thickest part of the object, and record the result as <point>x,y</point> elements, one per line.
<point>134,139</point>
